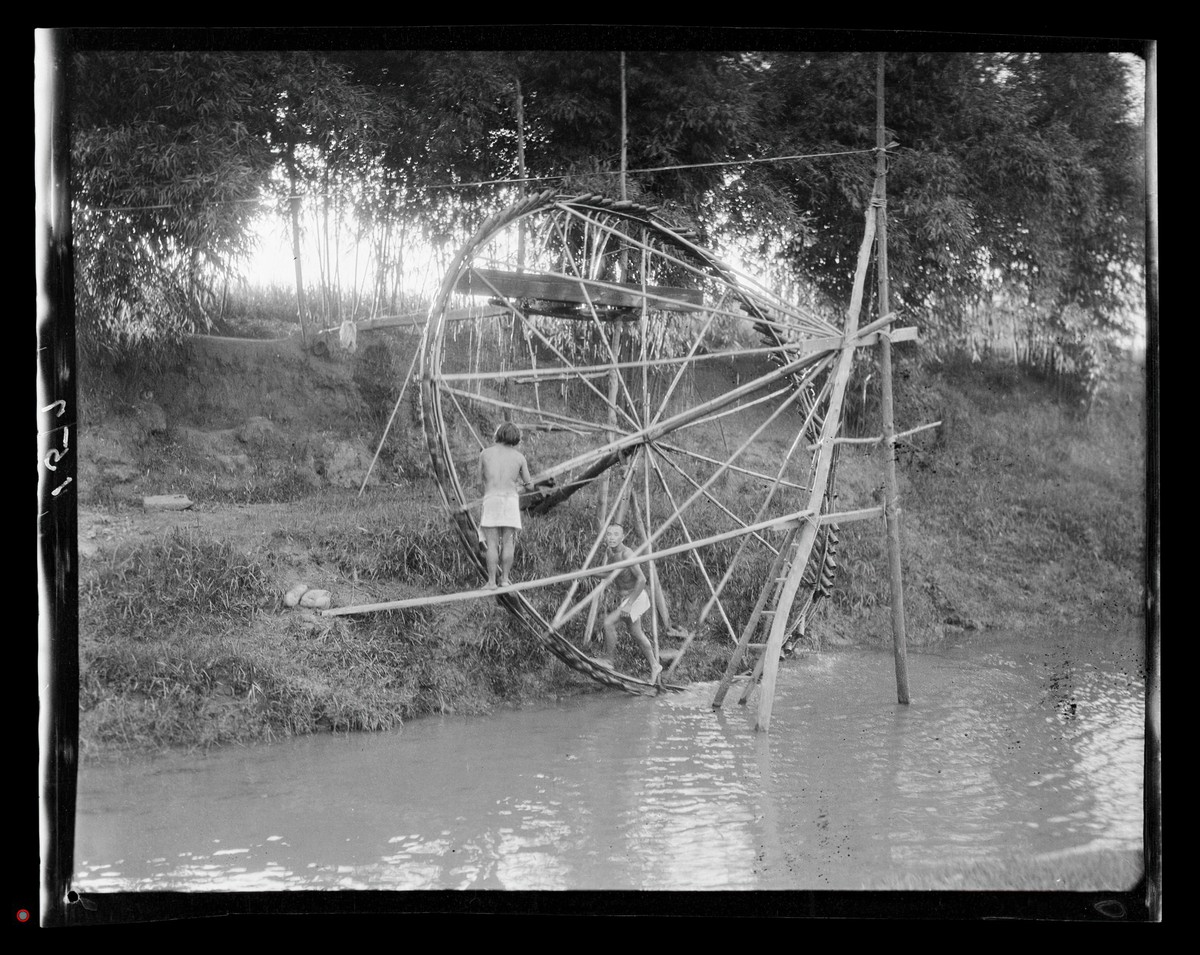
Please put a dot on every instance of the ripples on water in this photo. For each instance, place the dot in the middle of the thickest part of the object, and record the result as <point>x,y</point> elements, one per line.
<point>1010,750</point>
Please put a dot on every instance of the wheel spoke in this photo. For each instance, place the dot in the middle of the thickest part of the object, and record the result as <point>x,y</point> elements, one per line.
<point>596,322</point>
<point>749,472</point>
<point>553,373</point>
<point>608,518</point>
<point>758,516</point>
<point>466,420</point>
<point>694,552</point>
<point>688,359</point>
<point>746,285</point>
<point>534,413</point>
<point>545,341</point>
<point>712,498</point>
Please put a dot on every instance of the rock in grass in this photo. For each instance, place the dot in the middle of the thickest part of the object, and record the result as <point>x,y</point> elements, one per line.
<point>166,502</point>
<point>292,597</point>
<point>316,599</point>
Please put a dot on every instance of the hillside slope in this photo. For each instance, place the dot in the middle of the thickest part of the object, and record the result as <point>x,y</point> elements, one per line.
<point>1018,513</point>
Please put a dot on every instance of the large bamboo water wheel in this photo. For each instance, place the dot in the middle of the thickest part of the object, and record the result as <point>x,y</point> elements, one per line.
<point>654,385</point>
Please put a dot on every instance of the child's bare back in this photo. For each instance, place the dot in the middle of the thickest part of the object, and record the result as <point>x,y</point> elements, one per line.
<point>501,469</point>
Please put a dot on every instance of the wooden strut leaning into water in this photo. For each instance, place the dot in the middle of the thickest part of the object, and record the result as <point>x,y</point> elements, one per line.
<point>808,533</point>
<point>768,664</point>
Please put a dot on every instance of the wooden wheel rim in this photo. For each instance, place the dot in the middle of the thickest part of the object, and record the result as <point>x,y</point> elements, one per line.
<point>784,363</point>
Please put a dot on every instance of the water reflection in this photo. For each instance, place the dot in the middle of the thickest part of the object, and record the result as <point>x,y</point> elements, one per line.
<point>1010,750</point>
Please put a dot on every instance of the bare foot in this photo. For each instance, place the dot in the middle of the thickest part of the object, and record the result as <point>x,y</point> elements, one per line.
<point>654,672</point>
<point>491,585</point>
<point>506,582</point>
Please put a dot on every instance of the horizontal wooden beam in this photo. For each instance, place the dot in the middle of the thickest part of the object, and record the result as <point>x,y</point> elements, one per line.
<point>639,558</point>
<point>877,324</point>
<point>418,319</point>
<point>878,439</point>
<point>907,334</point>
<point>539,285</point>
<point>841,517</point>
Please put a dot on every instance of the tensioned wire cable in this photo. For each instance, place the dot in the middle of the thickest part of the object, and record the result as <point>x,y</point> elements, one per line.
<point>509,182</point>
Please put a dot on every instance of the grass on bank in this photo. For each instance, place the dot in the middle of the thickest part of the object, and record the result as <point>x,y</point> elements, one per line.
<point>1017,511</point>
<point>184,641</point>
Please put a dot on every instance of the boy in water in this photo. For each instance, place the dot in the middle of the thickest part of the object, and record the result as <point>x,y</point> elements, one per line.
<point>501,469</point>
<point>634,600</point>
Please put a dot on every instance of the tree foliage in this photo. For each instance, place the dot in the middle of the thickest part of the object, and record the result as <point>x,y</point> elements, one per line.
<point>166,157</point>
<point>1013,173</point>
<point>1019,172</point>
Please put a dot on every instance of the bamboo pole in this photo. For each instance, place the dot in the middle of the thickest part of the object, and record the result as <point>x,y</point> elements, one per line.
<point>687,358</point>
<point>687,535</point>
<point>892,501</point>
<point>644,327</point>
<point>800,432</point>
<point>799,348</point>
<point>467,421</point>
<point>755,676</point>
<point>874,326</point>
<point>713,499</point>
<point>677,515</point>
<point>770,586</point>
<point>657,600</point>
<point>610,569</point>
<point>520,99</point>
<point>880,438</point>
<point>624,130</point>
<point>395,408</point>
<point>595,320</point>
<point>578,424</point>
<point>690,635</point>
<point>799,319</point>
<point>684,418</point>
<point>613,374</point>
<point>808,534</point>
<point>749,472</point>
<point>605,519</point>
<point>666,301</point>
<point>563,358</point>
<point>294,203</point>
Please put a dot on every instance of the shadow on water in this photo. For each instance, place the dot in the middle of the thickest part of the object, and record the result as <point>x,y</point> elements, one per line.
<point>1018,760</point>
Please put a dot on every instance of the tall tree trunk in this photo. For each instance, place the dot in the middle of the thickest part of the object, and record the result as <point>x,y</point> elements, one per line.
<point>521,174</point>
<point>294,202</point>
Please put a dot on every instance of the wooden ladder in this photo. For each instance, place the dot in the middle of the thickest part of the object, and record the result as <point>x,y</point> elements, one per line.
<point>770,593</point>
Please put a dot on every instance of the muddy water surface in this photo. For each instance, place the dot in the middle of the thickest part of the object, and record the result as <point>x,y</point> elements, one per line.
<point>1013,751</point>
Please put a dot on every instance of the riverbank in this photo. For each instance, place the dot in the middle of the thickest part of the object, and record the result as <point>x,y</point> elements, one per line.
<point>1019,513</point>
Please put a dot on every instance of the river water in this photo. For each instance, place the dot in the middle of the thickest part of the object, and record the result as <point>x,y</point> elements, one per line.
<point>1014,753</point>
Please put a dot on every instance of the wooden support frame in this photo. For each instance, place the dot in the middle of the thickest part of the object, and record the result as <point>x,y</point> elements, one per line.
<point>610,569</point>
<point>553,287</point>
<point>886,410</point>
<point>770,587</point>
<point>829,430</point>
<point>586,290</point>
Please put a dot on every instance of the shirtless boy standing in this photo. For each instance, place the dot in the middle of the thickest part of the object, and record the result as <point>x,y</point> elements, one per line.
<point>634,601</point>
<point>502,468</point>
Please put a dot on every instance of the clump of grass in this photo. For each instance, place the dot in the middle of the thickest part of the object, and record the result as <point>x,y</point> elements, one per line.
<point>429,554</point>
<point>173,580</point>
<point>285,485</point>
